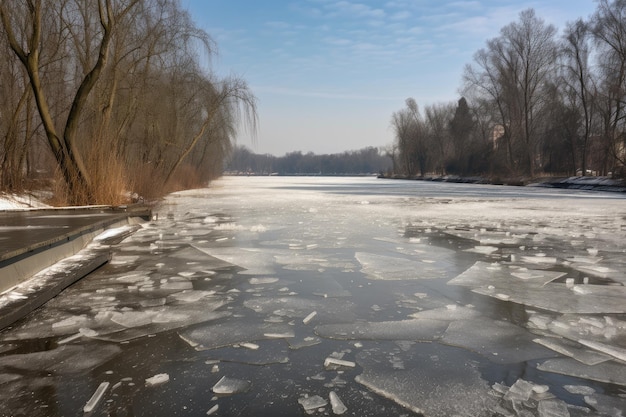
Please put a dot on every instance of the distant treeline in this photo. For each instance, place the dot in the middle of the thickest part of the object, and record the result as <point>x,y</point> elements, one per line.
<point>535,102</point>
<point>365,161</point>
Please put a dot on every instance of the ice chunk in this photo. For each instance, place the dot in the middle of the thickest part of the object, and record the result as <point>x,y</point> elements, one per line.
<point>262,281</point>
<point>614,351</point>
<point>96,397</point>
<point>539,259</point>
<point>519,391</point>
<point>212,336</point>
<point>463,393</point>
<point>537,290</point>
<point>157,379</point>
<point>132,318</point>
<point>382,267</point>
<point>483,250</point>
<point>582,355</point>
<point>213,410</point>
<point>334,363</point>
<point>606,405</point>
<point>498,341</point>
<point>308,318</point>
<point>255,261</point>
<point>312,403</point>
<point>610,372</point>
<point>552,408</point>
<point>450,312</point>
<point>230,386</point>
<point>337,405</point>
<point>579,389</point>
<point>66,359</point>
<point>190,296</point>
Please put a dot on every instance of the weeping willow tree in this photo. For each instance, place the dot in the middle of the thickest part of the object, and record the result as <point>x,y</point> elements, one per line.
<point>116,90</point>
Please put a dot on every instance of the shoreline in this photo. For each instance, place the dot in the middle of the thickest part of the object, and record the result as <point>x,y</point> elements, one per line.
<point>575,183</point>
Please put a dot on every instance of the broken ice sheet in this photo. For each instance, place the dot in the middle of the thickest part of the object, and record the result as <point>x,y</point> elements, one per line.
<point>230,386</point>
<point>66,359</point>
<point>498,341</point>
<point>450,312</point>
<point>158,379</point>
<point>607,405</point>
<point>212,336</point>
<point>582,355</point>
<point>611,372</point>
<point>254,261</point>
<point>415,329</point>
<point>434,263</point>
<point>535,289</point>
<point>312,403</point>
<point>485,237</point>
<point>463,392</point>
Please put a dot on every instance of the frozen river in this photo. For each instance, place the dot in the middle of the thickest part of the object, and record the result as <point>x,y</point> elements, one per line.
<point>273,296</point>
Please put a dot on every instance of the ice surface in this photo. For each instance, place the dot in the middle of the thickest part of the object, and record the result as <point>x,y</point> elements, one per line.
<point>576,352</point>
<point>421,389</point>
<point>535,289</point>
<point>337,405</point>
<point>415,329</point>
<point>255,261</point>
<point>383,267</point>
<point>498,341</point>
<point>521,390</point>
<point>66,359</point>
<point>450,312</point>
<point>553,408</point>
<point>312,403</point>
<point>608,406</point>
<point>230,386</point>
<point>96,397</point>
<point>213,336</point>
<point>614,351</point>
<point>610,371</point>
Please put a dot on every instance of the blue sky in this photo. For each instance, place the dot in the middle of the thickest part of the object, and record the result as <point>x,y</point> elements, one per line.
<point>329,73</point>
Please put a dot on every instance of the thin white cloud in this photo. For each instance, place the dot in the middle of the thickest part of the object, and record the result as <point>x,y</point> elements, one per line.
<point>402,15</point>
<point>354,10</point>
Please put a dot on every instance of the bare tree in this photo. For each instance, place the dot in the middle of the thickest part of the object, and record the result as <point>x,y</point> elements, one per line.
<point>513,71</point>
<point>578,84</point>
<point>609,30</point>
<point>28,48</point>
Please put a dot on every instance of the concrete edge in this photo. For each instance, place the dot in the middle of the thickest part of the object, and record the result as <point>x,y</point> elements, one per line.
<point>26,262</point>
<point>13,311</point>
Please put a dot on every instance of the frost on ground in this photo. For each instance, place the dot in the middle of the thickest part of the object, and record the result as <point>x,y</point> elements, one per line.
<point>293,296</point>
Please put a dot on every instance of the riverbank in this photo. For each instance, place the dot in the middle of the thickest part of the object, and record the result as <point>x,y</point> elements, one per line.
<point>575,183</point>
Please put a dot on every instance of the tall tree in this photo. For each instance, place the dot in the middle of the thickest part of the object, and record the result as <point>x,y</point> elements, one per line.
<point>513,71</point>
<point>578,84</point>
<point>28,48</point>
<point>609,30</point>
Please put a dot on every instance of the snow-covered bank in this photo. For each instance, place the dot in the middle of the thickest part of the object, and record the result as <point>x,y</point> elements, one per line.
<point>574,183</point>
<point>23,201</point>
